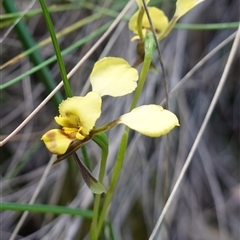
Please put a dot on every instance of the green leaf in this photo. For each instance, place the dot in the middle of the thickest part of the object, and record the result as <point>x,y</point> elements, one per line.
<point>41,208</point>
<point>102,141</point>
<point>56,48</point>
<point>94,185</point>
<point>25,37</point>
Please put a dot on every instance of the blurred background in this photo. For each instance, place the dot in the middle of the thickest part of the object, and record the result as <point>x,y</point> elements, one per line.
<point>207,205</point>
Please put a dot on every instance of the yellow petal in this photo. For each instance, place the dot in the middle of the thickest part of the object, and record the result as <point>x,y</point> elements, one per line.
<point>72,132</point>
<point>159,19</point>
<point>79,136</point>
<point>151,120</point>
<point>70,122</point>
<point>56,141</point>
<point>80,112</point>
<point>183,6</point>
<point>140,3</point>
<point>136,37</point>
<point>113,76</point>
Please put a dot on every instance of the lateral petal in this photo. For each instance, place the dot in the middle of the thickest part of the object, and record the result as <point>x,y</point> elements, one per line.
<point>113,76</point>
<point>159,19</point>
<point>57,141</point>
<point>151,120</point>
<point>183,6</point>
<point>80,112</point>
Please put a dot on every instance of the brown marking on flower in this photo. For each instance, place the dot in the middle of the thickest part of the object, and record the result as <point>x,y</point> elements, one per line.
<point>67,113</point>
<point>71,135</point>
<point>50,135</point>
<point>76,118</point>
<point>53,145</point>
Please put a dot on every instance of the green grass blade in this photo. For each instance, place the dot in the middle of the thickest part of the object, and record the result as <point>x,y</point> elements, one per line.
<point>64,32</point>
<point>207,26</point>
<point>24,160</point>
<point>113,12</point>
<point>27,41</point>
<point>53,58</point>
<point>57,50</point>
<point>41,208</point>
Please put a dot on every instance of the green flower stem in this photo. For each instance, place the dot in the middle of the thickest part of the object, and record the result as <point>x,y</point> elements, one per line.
<point>105,127</point>
<point>143,75</point>
<point>139,23</point>
<point>86,158</point>
<point>95,216</point>
<point>56,48</point>
<point>149,47</point>
<point>102,141</point>
<point>169,28</point>
<point>113,183</point>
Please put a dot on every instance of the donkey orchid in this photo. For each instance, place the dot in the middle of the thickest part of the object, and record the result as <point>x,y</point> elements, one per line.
<point>78,115</point>
<point>139,23</point>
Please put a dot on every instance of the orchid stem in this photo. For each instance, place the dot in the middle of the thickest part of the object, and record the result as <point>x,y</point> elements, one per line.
<point>105,127</point>
<point>150,47</point>
<point>56,48</point>
<point>114,180</point>
<point>139,22</point>
<point>102,141</point>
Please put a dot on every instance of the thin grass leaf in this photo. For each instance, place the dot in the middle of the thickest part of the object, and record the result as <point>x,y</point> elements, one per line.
<point>65,31</point>
<point>57,50</point>
<point>41,208</point>
<point>28,42</point>
<point>53,58</point>
<point>24,160</point>
<point>207,26</point>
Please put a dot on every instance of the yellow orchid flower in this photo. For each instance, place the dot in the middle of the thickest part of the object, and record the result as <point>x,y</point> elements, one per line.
<point>159,19</point>
<point>78,115</point>
<point>183,6</point>
<point>150,120</point>
<point>114,77</point>
<point>160,22</point>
